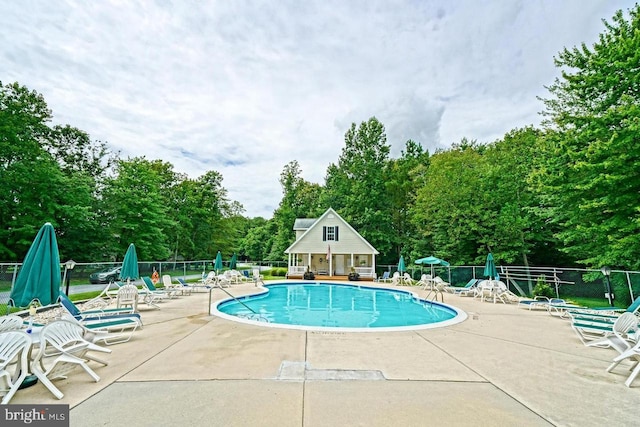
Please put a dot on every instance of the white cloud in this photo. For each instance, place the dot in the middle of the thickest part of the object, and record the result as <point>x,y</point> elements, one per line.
<point>245,87</point>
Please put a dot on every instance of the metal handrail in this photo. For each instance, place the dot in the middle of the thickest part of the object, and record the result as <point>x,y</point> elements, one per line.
<point>237,300</point>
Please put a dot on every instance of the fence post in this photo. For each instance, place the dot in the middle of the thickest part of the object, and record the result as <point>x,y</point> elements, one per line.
<point>556,282</point>
<point>630,288</point>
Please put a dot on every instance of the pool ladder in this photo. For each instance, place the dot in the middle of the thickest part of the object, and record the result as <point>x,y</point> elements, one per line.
<point>254,316</point>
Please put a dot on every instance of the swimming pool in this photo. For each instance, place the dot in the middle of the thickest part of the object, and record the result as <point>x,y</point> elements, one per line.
<point>333,306</point>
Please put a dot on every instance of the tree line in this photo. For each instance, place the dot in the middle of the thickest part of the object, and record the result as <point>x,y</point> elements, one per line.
<point>98,202</point>
<point>565,193</point>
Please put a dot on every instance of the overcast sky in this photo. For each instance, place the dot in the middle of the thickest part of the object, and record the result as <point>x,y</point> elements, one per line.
<point>245,87</point>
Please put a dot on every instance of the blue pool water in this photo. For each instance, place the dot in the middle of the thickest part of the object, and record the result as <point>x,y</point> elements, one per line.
<point>320,305</point>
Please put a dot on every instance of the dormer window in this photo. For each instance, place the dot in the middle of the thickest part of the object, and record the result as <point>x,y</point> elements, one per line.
<point>330,233</point>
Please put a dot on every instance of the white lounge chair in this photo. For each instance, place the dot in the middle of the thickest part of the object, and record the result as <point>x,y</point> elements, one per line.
<point>506,296</point>
<point>14,347</point>
<point>172,288</point>
<point>229,277</point>
<point>111,293</point>
<point>74,311</point>
<point>189,287</point>
<point>209,281</point>
<point>457,290</point>
<point>602,332</point>
<point>560,308</point>
<point>568,309</point>
<point>63,348</point>
<point>181,288</point>
<point>222,281</point>
<point>238,277</point>
<point>150,294</point>
<point>385,277</point>
<point>149,287</point>
<point>619,338</point>
<point>109,330</point>
<point>101,300</point>
<point>538,302</point>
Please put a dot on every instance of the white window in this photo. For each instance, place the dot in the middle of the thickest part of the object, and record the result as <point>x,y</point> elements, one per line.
<point>330,233</point>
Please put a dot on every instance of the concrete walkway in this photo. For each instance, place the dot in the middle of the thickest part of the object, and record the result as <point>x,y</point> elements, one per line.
<point>503,366</point>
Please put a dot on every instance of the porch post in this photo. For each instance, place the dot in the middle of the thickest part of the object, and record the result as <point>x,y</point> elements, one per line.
<point>373,266</point>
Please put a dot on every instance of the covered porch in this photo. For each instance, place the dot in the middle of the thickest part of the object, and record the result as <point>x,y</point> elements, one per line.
<point>332,265</point>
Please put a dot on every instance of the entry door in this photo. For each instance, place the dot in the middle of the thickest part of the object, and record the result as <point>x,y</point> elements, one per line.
<point>339,265</point>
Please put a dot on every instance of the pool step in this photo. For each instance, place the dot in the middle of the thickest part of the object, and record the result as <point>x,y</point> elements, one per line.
<point>300,371</point>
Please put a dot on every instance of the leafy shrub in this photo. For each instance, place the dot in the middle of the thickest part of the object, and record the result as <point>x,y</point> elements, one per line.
<point>543,289</point>
<point>276,272</point>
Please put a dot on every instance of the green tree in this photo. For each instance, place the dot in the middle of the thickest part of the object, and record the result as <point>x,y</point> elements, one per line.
<point>258,239</point>
<point>516,234</point>
<point>356,188</point>
<point>75,152</point>
<point>209,230</point>
<point>590,174</point>
<point>449,211</point>
<point>402,183</point>
<point>300,199</point>
<point>135,210</point>
<point>84,163</point>
<point>33,189</point>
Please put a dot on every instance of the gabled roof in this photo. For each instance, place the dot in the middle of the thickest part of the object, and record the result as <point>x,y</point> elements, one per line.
<point>303,223</point>
<point>317,221</point>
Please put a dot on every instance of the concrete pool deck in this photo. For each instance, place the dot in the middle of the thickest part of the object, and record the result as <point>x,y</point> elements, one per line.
<point>503,366</point>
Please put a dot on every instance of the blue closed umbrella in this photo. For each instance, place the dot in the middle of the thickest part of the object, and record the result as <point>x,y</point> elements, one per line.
<point>129,269</point>
<point>39,277</point>
<point>490,268</point>
<point>217,265</point>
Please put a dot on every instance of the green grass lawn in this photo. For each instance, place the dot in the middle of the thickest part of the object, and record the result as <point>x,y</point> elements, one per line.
<point>592,302</point>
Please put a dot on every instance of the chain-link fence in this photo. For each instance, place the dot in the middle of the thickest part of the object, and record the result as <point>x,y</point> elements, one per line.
<point>81,274</point>
<point>567,283</point>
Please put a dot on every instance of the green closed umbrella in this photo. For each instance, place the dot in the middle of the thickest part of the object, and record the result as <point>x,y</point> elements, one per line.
<point>490,268</point>
<point>39,277</point>
<point>233,262</point>
<point>401,267</point>
<point>217,265</point>
<point>129,269</point>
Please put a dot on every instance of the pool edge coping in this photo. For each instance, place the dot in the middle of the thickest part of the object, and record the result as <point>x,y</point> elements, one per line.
<point>460,316</point>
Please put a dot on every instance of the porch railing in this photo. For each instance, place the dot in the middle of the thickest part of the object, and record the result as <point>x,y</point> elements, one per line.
<point>366,272</point>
